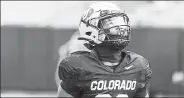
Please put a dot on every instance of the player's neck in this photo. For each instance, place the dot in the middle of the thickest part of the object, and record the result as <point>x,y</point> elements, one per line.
<point>108,55</point>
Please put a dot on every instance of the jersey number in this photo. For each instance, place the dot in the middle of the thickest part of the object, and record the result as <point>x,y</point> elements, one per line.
<point>109,96</point>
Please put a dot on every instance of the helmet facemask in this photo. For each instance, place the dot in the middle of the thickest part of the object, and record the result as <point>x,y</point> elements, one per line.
<point>114,31</point>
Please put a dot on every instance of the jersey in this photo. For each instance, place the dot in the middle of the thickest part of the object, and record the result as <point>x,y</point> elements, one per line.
<point>83,75</point>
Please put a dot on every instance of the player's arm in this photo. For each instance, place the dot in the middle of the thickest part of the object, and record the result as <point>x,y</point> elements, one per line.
<point>62,93</point>
<point>143,91</point>
<point>68,86</point>
<point>63,52</point>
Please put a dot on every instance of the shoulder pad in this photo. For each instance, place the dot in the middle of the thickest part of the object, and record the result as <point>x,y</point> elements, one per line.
<point>74,59</point>
<point>138,60</point>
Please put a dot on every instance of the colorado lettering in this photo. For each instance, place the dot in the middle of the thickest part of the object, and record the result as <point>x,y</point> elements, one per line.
<point>113,85</point>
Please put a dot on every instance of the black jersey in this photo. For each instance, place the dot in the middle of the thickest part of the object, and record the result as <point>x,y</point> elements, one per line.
<point>83,75</point>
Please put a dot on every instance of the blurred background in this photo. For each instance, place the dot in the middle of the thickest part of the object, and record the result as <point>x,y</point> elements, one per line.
<point>33,31</point>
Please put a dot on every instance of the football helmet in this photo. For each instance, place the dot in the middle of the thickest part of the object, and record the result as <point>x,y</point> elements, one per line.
<point>104,23</point>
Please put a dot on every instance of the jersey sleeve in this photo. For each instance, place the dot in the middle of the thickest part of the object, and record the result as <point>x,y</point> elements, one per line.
<point>145,77</point>
<point>69,76</point>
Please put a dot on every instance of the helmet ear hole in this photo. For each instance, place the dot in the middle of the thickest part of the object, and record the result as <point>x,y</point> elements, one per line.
<point>88,33</point>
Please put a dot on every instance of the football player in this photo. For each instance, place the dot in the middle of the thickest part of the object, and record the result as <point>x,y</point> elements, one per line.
<point>108,70</point>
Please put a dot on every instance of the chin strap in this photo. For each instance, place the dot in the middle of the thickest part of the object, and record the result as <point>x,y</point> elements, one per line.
<point>90,45</point>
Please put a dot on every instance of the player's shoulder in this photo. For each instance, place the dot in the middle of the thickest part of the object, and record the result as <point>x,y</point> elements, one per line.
<point>78,56</point>
<point>75,58</point>
<point>141,64</point>
<point>137,59</point>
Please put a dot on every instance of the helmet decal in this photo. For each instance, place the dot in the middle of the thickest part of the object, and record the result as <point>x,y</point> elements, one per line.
<point>89,13</point>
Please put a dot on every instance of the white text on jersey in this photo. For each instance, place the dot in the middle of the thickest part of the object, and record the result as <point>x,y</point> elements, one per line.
<point>113,85</point>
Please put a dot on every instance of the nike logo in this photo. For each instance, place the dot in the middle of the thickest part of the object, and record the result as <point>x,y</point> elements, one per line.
<point>128,67</point>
